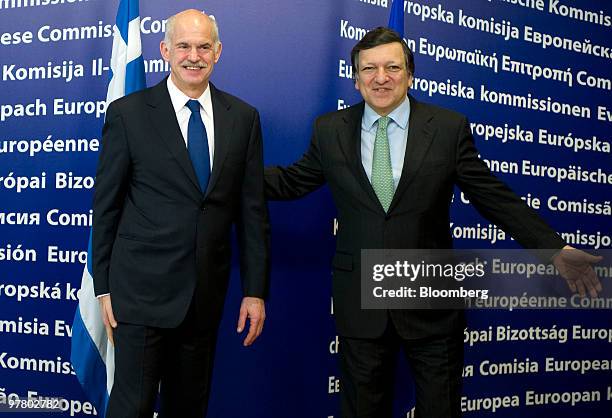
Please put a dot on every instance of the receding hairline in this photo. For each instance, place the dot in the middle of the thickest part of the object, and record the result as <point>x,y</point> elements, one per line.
<point>171,22</point>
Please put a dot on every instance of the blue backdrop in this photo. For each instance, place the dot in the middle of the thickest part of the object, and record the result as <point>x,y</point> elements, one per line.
<point>489,59</point>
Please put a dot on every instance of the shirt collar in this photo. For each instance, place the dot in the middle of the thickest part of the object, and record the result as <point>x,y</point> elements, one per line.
<point>399,115</point>
<point>180,99</point>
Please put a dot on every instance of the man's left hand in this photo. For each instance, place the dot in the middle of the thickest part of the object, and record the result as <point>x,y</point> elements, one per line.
<point>575,267</point>
<point>255,310</point>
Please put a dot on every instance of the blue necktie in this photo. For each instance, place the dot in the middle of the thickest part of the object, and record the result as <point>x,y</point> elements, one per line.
<point>197,144</point>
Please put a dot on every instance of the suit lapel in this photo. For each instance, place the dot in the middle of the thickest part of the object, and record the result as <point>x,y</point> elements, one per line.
<point>420,135</point>
<point>224,125</point>
<point>163,118</point>
<point>349,137</point>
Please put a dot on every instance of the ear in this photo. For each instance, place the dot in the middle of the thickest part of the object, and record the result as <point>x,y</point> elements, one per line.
<point>410,80</point>
<point>356,82</point>
<point>165,52</point>
<point>218,52</point>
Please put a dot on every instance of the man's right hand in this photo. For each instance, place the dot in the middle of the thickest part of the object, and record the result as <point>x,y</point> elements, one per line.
<point>106,310</point>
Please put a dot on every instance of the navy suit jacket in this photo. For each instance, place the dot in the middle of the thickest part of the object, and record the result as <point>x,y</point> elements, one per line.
<point>440,154</point>
<point>159,242</point>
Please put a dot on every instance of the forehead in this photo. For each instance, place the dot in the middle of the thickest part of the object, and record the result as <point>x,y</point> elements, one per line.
<point>196,28</point>
<point>382,53</point>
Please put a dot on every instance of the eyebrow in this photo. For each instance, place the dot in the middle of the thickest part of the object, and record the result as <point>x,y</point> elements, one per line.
<point>363,64</point>
<point>187,43</point>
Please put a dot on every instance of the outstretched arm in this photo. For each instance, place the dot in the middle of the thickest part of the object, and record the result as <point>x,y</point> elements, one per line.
<point>495,201</point>
<point>298,179</point>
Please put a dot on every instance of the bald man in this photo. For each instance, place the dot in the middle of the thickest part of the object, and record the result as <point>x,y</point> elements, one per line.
<point>181,163</point>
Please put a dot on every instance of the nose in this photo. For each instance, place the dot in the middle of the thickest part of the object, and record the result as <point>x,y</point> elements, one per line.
<point>193,54</point>
<point>381,75</point>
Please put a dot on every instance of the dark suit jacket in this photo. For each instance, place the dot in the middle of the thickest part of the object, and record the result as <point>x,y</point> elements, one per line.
<point>440,154</point>
<point>157,238</point>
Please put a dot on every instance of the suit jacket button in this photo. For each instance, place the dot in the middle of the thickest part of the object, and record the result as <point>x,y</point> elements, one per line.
<point>203,208</point>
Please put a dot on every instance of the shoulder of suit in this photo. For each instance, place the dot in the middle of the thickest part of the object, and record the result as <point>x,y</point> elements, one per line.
<point>356,111</point>
<point>437,111</point>
<point>137,101</point>
<point>133,102</point>
<point>233,101</point>
<point>352,112</point>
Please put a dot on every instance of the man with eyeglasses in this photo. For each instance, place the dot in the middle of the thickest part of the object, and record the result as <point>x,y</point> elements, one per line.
<point>391,164</point>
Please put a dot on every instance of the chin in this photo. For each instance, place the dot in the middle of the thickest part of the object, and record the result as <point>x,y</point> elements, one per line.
<point>383,105</point>
<point>194,80</point>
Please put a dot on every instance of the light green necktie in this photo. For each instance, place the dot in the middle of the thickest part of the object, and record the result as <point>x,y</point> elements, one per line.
<point>382,171</point>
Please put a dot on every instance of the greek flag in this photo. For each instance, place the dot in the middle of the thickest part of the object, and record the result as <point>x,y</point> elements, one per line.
<point>92,355</point>
<point>396,17</point>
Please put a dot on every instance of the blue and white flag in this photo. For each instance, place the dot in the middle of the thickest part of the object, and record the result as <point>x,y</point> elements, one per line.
<point>127,66</point>
<point>396,17</point>
<point>92,356</point>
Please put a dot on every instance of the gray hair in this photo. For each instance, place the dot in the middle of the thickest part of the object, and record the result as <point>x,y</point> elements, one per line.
<point>172,21</point>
